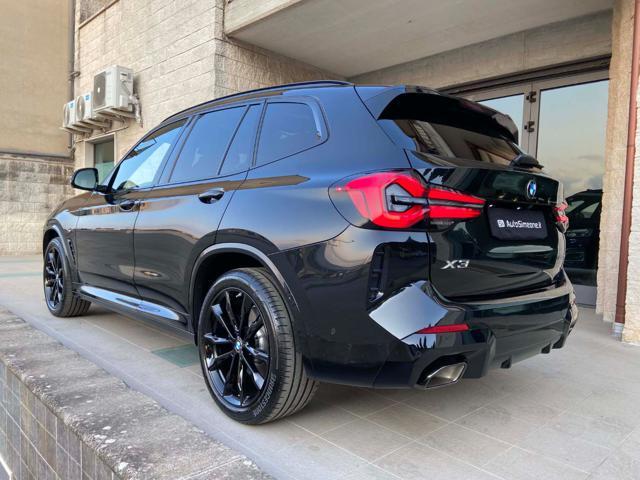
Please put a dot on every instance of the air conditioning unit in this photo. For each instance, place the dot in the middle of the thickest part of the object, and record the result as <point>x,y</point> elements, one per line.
<point>70,119</point>
<point>69,114</point>
<point>85,114</point>
<point>113,91</point>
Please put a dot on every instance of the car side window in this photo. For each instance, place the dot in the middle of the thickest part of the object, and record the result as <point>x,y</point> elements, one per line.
<point>287,128</point>
<point>240,153</point>
<point>204,149</point>
<point>141,166</point>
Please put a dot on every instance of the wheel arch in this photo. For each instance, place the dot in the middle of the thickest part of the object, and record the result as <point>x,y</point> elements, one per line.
<point>51,232</point>
<point>218,259</point>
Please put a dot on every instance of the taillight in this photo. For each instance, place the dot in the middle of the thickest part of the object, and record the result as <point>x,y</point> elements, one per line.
<point>400,200</point>
<point>560,216</point>
<point>450,204</point>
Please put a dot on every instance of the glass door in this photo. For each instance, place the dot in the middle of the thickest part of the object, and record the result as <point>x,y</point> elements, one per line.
<point>571,144</point>
<point>563,124</point>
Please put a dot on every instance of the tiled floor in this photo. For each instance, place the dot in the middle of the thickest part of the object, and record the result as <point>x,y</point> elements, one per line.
<point>573,414</point>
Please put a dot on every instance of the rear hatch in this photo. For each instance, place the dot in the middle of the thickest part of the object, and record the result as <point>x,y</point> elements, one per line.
<point>514,246</point>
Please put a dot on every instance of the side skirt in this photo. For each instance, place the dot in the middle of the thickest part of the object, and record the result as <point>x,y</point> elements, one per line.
<point>135,307</point>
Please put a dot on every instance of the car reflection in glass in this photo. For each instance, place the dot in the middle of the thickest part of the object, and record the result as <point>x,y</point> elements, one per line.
<point>583,236</point>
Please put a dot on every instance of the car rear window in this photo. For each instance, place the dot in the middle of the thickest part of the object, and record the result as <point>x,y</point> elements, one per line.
<point>449,128</point>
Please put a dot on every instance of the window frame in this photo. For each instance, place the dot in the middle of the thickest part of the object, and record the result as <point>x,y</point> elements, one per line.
<point>529,138</point>
<point>261,108</point>
<point>165,178</point>
<point>108,181</point>
<point>318,116</point>
<point>192,124</point>
<point>89,150</point>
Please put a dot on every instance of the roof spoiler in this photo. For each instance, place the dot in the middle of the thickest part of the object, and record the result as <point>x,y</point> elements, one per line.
<point>385,101</point>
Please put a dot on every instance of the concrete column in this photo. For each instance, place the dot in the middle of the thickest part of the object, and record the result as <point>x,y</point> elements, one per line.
<point>631,332</point>
<point>613,181</point>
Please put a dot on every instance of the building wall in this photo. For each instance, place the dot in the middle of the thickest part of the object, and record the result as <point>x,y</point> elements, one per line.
<point>88,8</point>
<point>240,66</point>
<point>240,13</point>
<point>30,188</point>
<point>33,75</point>
<point>179,56</point>
<point>617,124</point>
<point>631,332</point>
<point>34,154</point>
<point>623,39</point>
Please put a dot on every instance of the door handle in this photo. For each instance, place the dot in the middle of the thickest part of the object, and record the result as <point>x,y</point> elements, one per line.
<point>127,205</point>
<point>212,195</point>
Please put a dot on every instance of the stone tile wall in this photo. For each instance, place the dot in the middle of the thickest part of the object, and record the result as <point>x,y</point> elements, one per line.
<point>615,157</point>
<point>631,332</point>
<point>30,188</point>
<point>36,444</point>
<point>63,418</point>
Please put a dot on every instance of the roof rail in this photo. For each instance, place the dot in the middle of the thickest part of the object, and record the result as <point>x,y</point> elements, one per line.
<point>310,83</point>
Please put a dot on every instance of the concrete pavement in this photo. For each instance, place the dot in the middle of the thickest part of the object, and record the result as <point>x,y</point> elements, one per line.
<point>568,415</point>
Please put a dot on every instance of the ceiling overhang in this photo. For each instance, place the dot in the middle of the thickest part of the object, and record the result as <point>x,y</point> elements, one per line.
<point>351,37</point>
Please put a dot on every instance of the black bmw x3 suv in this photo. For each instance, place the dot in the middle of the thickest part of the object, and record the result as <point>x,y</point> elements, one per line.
<point>380,236</point>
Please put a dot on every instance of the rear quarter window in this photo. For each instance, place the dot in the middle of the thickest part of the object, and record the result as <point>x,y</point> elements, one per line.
<point>287,128</point>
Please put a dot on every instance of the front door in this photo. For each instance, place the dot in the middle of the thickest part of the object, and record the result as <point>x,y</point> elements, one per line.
<point>563,124</point>
<point>104,233</point>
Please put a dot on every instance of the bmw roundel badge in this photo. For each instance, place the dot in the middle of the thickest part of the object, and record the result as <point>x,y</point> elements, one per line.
<point>532,188</point>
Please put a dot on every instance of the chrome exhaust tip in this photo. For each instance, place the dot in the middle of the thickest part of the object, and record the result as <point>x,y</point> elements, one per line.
<point>443,376</point>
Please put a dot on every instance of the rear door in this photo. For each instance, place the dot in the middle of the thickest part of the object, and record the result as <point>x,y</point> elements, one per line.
<point>514,247</point>
<point>182,213</point>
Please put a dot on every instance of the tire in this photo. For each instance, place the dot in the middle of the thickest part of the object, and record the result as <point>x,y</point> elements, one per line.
<point>249,359</point>
<point>58,290</point>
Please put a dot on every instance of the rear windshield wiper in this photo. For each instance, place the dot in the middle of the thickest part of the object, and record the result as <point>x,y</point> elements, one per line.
<point>524,160</point>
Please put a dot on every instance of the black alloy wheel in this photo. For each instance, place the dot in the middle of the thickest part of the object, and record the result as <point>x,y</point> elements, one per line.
<point>236,348</point>
<point>53,278</point>
<point>248,353</point>
<point>60,298</point>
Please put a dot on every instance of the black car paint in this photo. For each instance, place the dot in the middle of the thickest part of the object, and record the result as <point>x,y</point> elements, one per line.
<point>146,259</point>
<point>582,250</point>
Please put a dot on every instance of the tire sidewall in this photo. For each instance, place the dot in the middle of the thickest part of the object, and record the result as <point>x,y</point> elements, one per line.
<point>261,407</point>
<point>56,244</point>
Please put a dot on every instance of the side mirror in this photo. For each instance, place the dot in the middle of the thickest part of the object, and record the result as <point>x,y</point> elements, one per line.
<point>85,179</point>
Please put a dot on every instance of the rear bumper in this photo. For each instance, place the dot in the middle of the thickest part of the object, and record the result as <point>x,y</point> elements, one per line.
<point>501,333</point>
<point>355,322</point>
